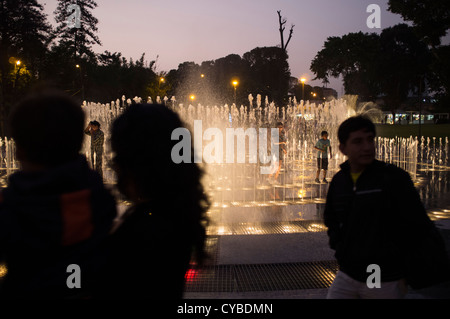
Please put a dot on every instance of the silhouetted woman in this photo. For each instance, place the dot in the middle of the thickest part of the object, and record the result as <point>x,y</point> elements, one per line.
<point>165,227</point>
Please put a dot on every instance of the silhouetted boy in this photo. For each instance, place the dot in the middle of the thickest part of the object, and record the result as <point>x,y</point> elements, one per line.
<point>323,147</point>
<point>97,140</point>
<point>55,211</point>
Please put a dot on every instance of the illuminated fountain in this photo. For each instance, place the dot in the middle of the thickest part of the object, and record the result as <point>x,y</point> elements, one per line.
<point>239,192</point>
<point>239,188</point>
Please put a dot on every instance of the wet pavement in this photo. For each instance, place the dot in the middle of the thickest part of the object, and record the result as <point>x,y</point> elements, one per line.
<point>285,258</point>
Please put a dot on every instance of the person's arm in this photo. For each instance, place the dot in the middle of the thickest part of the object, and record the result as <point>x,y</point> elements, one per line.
<point>330,219</point>
<point>316,147</point>
<point>421,243</point>
<point>407,201</point>
<point>87,130</point>
<point>331,154</point>
<point>283,144</point>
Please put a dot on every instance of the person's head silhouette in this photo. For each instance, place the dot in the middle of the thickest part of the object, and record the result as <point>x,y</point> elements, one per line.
<point>141,139</point>
<point>47,128</point>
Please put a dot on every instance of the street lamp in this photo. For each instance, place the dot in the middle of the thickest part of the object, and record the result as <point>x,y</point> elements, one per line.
<point>161,80</point>
<point>235,84</point>
<point>81,80</point>
<point>17,70</point>
<point>192,97</point>
<point>303,80</point>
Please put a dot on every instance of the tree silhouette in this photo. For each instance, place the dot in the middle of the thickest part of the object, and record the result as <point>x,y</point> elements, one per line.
<point>24,36</point>
<point>282,21</point>
<point>77,39</point>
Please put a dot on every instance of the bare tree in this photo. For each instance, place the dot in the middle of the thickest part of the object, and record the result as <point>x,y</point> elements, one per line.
<point>282,22</point>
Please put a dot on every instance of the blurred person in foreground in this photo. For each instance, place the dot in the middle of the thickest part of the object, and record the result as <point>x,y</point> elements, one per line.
<point>164,229</point>
<point>55,213</point>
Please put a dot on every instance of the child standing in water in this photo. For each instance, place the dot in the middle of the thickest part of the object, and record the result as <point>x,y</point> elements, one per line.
<point>322,146</point>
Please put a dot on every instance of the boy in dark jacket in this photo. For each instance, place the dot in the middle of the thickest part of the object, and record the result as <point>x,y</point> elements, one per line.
<point>55,213</point>
<point>377,223</point>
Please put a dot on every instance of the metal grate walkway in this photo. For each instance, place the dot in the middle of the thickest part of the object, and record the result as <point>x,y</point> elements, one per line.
<point>236,278</point>
<point>261,277</point>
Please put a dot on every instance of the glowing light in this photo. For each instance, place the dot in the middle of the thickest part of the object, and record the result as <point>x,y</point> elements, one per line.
<point>191,275</point>
<point>301,193</point>
<point>314,228</point>
<point>307,117</point>
<point>289,229</point>
<point>253,231</point>
<point>3,270</point>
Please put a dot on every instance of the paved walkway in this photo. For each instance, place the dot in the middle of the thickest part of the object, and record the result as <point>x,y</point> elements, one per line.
<point>235,252</point>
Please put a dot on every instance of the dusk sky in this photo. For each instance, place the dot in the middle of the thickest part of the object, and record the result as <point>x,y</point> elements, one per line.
<point>200,30</point>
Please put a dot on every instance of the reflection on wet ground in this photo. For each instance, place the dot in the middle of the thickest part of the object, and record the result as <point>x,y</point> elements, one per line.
<point>275,216</point>
<point>280,217</point>
<point>433,185</point>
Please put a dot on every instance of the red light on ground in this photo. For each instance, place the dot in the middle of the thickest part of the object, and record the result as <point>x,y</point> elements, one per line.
<point>191,275</point>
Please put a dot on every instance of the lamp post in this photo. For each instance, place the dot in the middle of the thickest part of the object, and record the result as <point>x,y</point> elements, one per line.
<point>303,80</point>
<point>17,70</point>
<point>420,109</point>
<point>81,79</point>
<point>235,84</point>
<point>161,80</point>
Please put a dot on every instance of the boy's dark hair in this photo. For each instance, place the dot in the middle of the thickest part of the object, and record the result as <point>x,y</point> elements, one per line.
<point>354,124</point>
<point>47,127</point>
<point>323,133</point>
<point>95,123</point>
<point>280,124</point>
